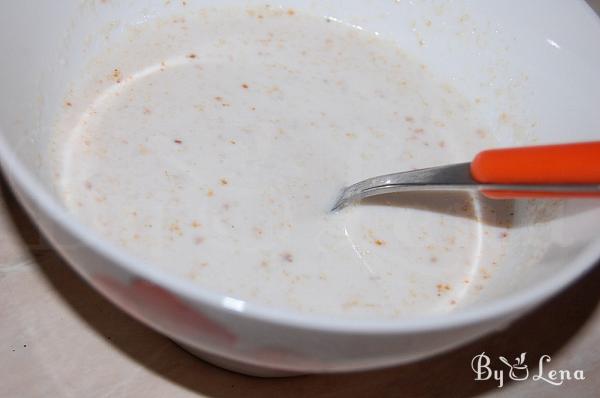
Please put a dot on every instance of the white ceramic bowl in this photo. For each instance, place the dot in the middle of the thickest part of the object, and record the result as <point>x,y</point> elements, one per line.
<point>535,61</point>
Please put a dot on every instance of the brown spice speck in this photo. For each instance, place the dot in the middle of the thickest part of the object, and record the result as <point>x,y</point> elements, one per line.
<point>291,12</point>
<point>210,193</point>
<point>503,234</point>
<point>144,150</point>
<point>223,181</point>
<point>117,76</point>
<point>192,56</point>
<point>287,257</point>
<point>379,242</point>
<point>69,104</point>
<point>245,86</point>
<point>442,288</point>
<point>175,228</point>
<point>196,224</point>
<point>409,119</point>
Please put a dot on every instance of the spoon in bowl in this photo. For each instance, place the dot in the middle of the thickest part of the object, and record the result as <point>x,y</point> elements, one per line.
<point>547,171</point>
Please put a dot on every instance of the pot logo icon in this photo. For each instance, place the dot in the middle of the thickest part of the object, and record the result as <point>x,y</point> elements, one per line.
<point>519,370</point>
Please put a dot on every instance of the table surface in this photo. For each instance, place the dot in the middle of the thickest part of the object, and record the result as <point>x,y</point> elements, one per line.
<point>59,338</point>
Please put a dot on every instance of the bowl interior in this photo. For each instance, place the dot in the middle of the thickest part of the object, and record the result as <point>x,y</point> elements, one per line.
<point>534,70</point>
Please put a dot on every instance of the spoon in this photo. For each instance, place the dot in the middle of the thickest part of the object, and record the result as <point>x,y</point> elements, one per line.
<point>547,171</point>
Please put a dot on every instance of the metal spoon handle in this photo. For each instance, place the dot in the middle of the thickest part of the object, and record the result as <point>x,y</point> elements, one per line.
<point>566,170</point>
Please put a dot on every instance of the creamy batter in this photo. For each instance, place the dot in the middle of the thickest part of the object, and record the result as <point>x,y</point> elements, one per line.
<point>213,145</point>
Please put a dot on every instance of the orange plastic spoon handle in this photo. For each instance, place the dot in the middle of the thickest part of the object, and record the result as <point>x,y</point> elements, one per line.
<point>546,164</point>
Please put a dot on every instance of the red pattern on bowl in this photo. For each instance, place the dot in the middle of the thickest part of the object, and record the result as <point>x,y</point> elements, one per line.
<point>147,301</point>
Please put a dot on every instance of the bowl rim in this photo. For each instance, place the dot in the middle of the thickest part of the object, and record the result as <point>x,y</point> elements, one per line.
<point>19,176</point>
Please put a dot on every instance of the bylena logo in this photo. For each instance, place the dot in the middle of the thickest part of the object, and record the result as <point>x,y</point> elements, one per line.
<point>518,371</point>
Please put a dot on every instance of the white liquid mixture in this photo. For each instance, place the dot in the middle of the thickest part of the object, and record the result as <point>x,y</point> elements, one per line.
<point>213,146</point>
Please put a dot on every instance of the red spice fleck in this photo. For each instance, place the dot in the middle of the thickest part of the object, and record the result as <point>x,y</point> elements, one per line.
<point>442,144</point>
<point>419,130</point>
<point>199,240</point>
<point>88,185</point>
<point>147,111</point>
<point>287,257</point>
<point>433,259</point>
<point>177,141</point>
<point>210,193</point>
<point>504,234</point>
